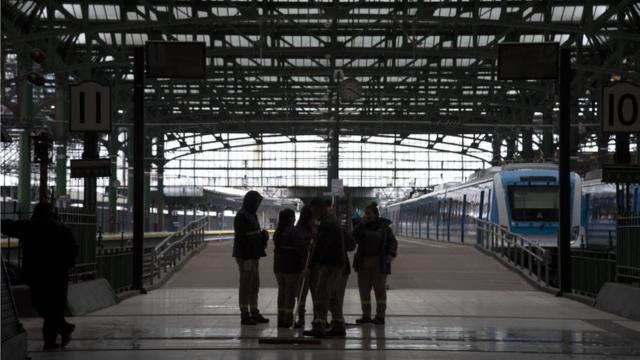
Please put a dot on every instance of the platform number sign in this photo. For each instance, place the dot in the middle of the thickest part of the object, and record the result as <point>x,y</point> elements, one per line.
<point>90,107</point>
<point>621,108</point>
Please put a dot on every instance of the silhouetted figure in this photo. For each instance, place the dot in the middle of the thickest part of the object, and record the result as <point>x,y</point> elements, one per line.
<point>48,251</point>
<point>307,228</point>
<point>288,263</point>
<point>336,301</point>
<point>377,247</point>
<point>325,266</point>
<point>249,246</point>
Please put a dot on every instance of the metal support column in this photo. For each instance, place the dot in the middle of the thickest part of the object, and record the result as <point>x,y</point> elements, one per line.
<point>138,167</point>
<point>160,192</point>
<point>496,143</point>
<point>527,145</point>
<point>603,149</point>
<point>113,180</point>
<point>547,136</point>
<point>147,186</point>
<point>90,152</point>
<point>24,174</point>
<point>24,166</point>
<point>564,233</point>
<point>511,148</point>
<point>61,170</point>
<point>62,126</point>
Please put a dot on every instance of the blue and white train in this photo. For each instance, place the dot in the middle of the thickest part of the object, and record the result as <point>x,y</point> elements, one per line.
<point>523,198</point>
<point>601,202</point>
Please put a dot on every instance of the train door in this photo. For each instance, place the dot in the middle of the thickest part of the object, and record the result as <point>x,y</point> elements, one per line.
<point>488,212</point>
<point>462,216</point>
<point>437,218</point>
<point>429,217</point>
<point>450,205</point>
<point>585,218</point>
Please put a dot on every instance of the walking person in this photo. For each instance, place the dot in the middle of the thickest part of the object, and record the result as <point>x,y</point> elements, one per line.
<point>249,246</point>
<point>49,251</point>
<point>377,248</point>
<point>307,228</point>
<point>289,259</point>
<point>325,265</point>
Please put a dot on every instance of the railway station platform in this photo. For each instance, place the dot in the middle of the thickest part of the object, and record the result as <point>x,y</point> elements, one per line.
<point>446,301</point>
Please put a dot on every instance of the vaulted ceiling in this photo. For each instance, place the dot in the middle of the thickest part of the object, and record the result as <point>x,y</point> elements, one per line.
<point>424,66</point>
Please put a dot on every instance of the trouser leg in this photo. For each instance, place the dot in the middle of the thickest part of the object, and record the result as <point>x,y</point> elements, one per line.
<point>254,287</point>
<point>291,291</point>
<point>244,287</point>
<point>281,296</point>
<point>323,282</point>
<point>380,290</point>
<point>365,284</point>
<point>336,303</point>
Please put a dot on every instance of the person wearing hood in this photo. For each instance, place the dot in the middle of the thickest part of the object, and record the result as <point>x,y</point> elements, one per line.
<point>290,253</point>
<point>326,264</point>
<point>336,302</point>
<point>377,248</point>
<point>249,246</point>
<point>48,252</point>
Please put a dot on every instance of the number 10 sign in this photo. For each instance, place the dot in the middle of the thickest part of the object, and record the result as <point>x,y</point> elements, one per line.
<point>621,108</point>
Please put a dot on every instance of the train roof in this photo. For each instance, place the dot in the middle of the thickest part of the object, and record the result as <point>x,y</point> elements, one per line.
<point>481,176</point>
<point>490,172</point>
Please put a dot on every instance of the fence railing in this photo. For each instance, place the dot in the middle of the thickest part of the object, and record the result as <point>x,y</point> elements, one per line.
<point>161,260</point>
<point>628,249</point>
<point>590,269</point>
<point>528,258</point>
<point>116,265</point>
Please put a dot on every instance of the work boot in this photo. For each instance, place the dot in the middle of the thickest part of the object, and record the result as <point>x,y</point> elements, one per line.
<point>337,329</point>
<point>51,346</point>
<point>317,330</point>
<point>378,320</point>
<point>246,319</point>
<point>258,318</point>
<point>66,335</point>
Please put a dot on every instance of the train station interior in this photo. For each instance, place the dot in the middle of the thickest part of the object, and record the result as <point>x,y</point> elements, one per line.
<point>495,142</point>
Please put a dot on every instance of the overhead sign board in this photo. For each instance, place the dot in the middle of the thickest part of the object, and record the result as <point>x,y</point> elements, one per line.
<point>337,187</point>
<point>175,59</point>
<point>620,108</point>
<point>90,104</point>
<point>522,61</point>
<point>622,174</point>
<point>90,168</point>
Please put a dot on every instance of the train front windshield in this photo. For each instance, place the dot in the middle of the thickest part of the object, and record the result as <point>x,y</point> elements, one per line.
<point>534,203</point>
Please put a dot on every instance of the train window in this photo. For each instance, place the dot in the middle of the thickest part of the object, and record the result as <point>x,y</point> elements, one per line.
<point>534,203</point>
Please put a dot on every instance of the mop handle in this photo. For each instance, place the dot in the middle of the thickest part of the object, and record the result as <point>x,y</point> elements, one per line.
<point>305,273</point>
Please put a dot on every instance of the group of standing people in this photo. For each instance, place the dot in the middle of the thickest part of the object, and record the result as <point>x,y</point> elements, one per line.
<point>312,256</point>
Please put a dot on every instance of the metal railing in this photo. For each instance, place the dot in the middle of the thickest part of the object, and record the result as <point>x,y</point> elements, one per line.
<point>628,249</point>
<point>528,258</point>
<point>162,260</point>
<point>116,265</point>
<point>590,269</point>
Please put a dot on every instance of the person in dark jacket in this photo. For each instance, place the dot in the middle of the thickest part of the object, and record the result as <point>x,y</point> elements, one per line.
<point>337,297</point>
<point>377,247</point>
<point>49,251</point>
<point>249,246</point>
<point>307,229</point>
<point>288,263</point>
<point>326,264</point>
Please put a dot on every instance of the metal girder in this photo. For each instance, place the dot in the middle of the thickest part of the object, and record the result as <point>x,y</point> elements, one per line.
<point>246,96</point>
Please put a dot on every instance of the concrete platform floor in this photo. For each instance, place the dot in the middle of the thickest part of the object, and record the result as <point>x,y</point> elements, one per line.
<point>446,302</point>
